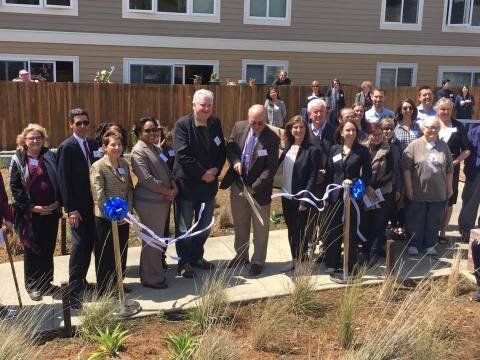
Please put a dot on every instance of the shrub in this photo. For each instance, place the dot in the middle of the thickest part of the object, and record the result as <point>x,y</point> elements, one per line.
<point>181,346</point>
<point>109,344</point>
<point>216,344</point>
<point>303,299</point>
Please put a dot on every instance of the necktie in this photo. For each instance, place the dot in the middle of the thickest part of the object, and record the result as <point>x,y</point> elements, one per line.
<point>88,155</point>
<point>247,155</point>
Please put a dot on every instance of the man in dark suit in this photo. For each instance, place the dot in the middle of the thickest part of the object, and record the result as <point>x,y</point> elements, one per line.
<point>75,155</point>
<point>199,158</point>
<point>252,151</point>
<point>320,133</point>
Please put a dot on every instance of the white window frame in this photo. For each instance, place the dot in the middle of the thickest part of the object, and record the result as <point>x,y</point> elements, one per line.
<point>443,69</point>
<point>46,58</point>
<point>170,62</point>
<point>43,8</point>
<point>271,21</point>
<point>387,25</point>
<point>166,16</point>
<point>382,65</point>
<point>457,28</point>
<point>265,63</point>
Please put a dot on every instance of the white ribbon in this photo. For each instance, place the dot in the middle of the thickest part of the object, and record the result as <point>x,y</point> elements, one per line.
<point>329,189</point>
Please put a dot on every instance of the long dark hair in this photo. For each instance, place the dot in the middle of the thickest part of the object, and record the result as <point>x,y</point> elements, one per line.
<point>288,137</point>
<point>268,94</point>
<point>398,110</point>
<point>363,121</point>
<point>338,134</point>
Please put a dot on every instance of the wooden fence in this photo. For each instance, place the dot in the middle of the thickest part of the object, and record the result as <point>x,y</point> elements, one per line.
<point>48,103</point>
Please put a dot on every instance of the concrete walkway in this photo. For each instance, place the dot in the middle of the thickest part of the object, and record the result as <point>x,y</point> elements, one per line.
<point>183,293</point>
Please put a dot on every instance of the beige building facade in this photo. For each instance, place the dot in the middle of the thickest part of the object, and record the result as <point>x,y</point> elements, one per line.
<point>390,42</point>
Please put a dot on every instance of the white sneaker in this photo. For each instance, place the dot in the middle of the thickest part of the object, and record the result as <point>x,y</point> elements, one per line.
<point>290,266</point>
<point>412,251</point>
<point>431,251</point>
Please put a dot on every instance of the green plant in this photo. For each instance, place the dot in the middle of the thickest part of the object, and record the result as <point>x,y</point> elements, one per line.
<point>197,79</point>
<point>274,218</point>
<point>181,346</point>
<point>101,313</point>
<point>109,344</point>
<point>103,77</point>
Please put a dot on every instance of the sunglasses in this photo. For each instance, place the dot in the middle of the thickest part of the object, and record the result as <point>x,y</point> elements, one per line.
<point>407,108</point>
<point>82,122</point>
<point>148,131</point>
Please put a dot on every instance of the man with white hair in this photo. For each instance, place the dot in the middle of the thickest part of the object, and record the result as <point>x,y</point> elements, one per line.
<point>199,157</point>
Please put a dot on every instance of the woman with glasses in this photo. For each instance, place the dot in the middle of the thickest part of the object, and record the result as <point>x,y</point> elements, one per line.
<point>154,192</point>
<point>427,172</point>
<point>36,199</point>
<point>454,134</point>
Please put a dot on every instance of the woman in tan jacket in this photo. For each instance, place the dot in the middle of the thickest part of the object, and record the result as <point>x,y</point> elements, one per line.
<point>154,192</point>
<point>110,176</point>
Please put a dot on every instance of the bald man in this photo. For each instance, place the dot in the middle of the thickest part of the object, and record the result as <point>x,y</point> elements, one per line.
<point>252,151</point>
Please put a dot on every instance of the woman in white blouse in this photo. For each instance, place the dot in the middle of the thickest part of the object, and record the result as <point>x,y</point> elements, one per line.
<point>275,107</point>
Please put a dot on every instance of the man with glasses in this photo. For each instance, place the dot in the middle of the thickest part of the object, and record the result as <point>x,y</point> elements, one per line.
<point>252,152</point>
<point>199,158</point>
<point>75,155</point>
<point>282,79</point>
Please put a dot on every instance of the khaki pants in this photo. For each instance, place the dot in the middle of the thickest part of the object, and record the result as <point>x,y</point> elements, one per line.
<point>243,216</point>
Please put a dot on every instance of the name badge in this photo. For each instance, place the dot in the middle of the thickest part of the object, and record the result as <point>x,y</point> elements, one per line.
<point>430,145</point>
<point>337,158</point>
<point>121,171</point>
<point>262,152</point>
<point>171,152</point>
<point>163,157</point>
<point>97,154</point>
<point>454,130</point>
<point>217,141</point>
<point>34,162</point>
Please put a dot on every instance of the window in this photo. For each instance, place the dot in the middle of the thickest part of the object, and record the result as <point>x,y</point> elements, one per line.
<point>462,16</point>
<point>401,15</point>
<point>50,7</point>
<point>267,12</point>
<point>263,71</point>
<point>148,71</point>
<point>61,69</point>
<point>459,76</point>
<point>180,10</point>
<point>396,74</point>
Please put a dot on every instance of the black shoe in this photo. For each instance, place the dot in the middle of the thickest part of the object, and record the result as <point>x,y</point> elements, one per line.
<point>202,264</point>
<point>35,295</point>
<point>186,271</point>
<point>7,313</point>
<point>126,289</point>
<point>89,287</point>
<point>51,289</point>
<point>476,296</point>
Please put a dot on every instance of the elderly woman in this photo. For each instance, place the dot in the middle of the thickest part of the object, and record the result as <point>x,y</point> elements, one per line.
<point>454,134</point>
<point>365,96</point>
<point>465,103</point>
<point>36,199</point>
<point>110,176</point>
<point>383,169</point>
<point>428,171</point>
<point>300,161</point>
<point>276,109</point>
<point>348,161</point>
<point>154,192</point>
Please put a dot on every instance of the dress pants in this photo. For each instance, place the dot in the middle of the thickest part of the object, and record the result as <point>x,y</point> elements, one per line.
<point>333,246</point>
<point>38,267</point>
<point>470,203</point>
<point>296,221</point>
<point>476,260</point>
<point>83,240</point>
<point>243,217</point>
<point>105,255</point>
<point>424,220</point>
<point>372,227</point>
<point>190,249</point>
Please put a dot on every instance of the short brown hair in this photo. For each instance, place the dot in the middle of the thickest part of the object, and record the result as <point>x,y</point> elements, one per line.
<point>111,134</point>
<point>288,129</point>
<point>21,144</point>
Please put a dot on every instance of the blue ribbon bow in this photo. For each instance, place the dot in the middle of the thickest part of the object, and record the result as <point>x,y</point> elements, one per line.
<point>358,189</point>
<point>115,208</point>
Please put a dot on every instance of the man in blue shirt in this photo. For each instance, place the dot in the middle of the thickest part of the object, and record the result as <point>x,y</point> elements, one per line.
<point>378,111</point>
<point>425,107</point>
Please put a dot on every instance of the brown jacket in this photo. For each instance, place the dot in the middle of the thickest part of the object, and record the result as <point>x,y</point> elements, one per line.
<point>106,181</point>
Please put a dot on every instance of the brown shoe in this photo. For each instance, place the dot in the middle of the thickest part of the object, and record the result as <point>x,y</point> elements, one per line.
<point>236,262</point>
<point>255,269</point>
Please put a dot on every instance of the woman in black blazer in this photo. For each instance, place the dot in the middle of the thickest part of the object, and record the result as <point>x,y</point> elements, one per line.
<point>348,161</point>
<point>300,161</point>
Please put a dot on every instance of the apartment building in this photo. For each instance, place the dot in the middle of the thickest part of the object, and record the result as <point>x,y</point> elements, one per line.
<point>391,42</point>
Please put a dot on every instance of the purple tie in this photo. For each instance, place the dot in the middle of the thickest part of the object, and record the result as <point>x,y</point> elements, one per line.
<point>247,154</point>
<point>87,152</point>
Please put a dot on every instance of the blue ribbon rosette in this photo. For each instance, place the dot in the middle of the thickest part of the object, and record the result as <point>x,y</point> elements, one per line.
<point>115,208</point>
<point>358,189</point>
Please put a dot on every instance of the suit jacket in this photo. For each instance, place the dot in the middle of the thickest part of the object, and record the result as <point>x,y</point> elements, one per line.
<point>262,168</point>
<point>193,157</point>
<point>305,168</point>
<point>74,175</point>
<point>323,145</point>
<point>357,165</point>
<point>152,172</point>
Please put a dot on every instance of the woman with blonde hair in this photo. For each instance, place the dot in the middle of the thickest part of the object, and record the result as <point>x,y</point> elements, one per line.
<point>36,200</point>
<point>365,96</point>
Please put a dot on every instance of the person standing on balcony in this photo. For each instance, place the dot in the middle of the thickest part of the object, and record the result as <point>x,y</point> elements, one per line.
<point>282,79</point>
<point>378,111</point>
<point>425,108</point>
<point>199,158</point>
<point>336,99</point>
<point>276,110</point>
<point>446,91</point>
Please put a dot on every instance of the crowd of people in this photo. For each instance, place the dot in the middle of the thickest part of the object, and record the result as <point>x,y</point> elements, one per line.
<point>409,160</point>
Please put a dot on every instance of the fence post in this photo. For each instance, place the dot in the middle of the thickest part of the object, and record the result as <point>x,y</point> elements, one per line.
<point>390,258</point>
<point>63,236</point>
<point>67,316</point>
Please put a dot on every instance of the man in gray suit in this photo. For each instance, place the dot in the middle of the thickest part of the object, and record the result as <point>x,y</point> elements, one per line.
<point>252,151</point>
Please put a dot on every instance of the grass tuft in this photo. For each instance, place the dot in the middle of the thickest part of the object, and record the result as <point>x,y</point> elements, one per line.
<point>303,299</point>
<point>216,344</point>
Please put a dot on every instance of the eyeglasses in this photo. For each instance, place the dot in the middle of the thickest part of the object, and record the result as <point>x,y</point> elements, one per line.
<point>34,138</point>
<point>148,131</point>
<point>387,129</point>
<point>431,128</point>
<point>81,122</point>
<point>407,108</point>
